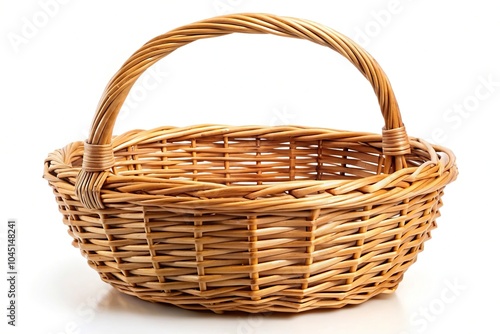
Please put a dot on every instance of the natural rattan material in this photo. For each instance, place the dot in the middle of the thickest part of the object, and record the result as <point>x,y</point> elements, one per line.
<point>250,218</point>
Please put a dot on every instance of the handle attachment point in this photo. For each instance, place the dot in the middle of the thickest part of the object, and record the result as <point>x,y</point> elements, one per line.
<point>97,158</point>
<point>395,141</point>
<point>88,188</point>
<point>97,161</point>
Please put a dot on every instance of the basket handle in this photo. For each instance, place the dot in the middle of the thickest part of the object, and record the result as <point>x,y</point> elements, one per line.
<point>98,155</point>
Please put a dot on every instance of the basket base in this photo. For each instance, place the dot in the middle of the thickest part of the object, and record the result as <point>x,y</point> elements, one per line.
<point>272,304</point>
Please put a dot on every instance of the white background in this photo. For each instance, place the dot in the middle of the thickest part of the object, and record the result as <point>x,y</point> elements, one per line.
<point>441,57</point>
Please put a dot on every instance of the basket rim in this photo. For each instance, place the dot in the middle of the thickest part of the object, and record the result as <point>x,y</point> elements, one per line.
<point>405,183</point>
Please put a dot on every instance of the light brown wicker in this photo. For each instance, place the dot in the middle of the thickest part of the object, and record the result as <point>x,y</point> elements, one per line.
<point>250,218</point>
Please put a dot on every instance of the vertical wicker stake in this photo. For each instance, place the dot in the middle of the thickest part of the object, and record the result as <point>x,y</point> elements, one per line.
<point>249,218</point>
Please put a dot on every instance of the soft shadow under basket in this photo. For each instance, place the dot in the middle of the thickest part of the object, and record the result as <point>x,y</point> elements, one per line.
<point>250,218</point>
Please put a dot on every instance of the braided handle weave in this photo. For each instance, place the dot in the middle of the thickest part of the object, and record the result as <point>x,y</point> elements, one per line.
<point>98,154</point>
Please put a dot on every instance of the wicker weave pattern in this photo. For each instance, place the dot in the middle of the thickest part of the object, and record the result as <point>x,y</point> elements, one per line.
<point>250,218</point>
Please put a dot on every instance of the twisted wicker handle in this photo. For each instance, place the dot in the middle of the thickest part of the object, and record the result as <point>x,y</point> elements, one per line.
<point>98,154</point>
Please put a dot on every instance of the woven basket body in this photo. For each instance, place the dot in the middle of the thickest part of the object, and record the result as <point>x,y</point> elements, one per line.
<point>249,218</point>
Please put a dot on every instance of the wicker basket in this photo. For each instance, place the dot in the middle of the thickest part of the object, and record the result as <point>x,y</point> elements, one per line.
<point>250,218</point>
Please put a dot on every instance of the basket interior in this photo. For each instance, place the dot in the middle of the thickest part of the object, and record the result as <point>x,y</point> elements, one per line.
<point>250,160</point>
